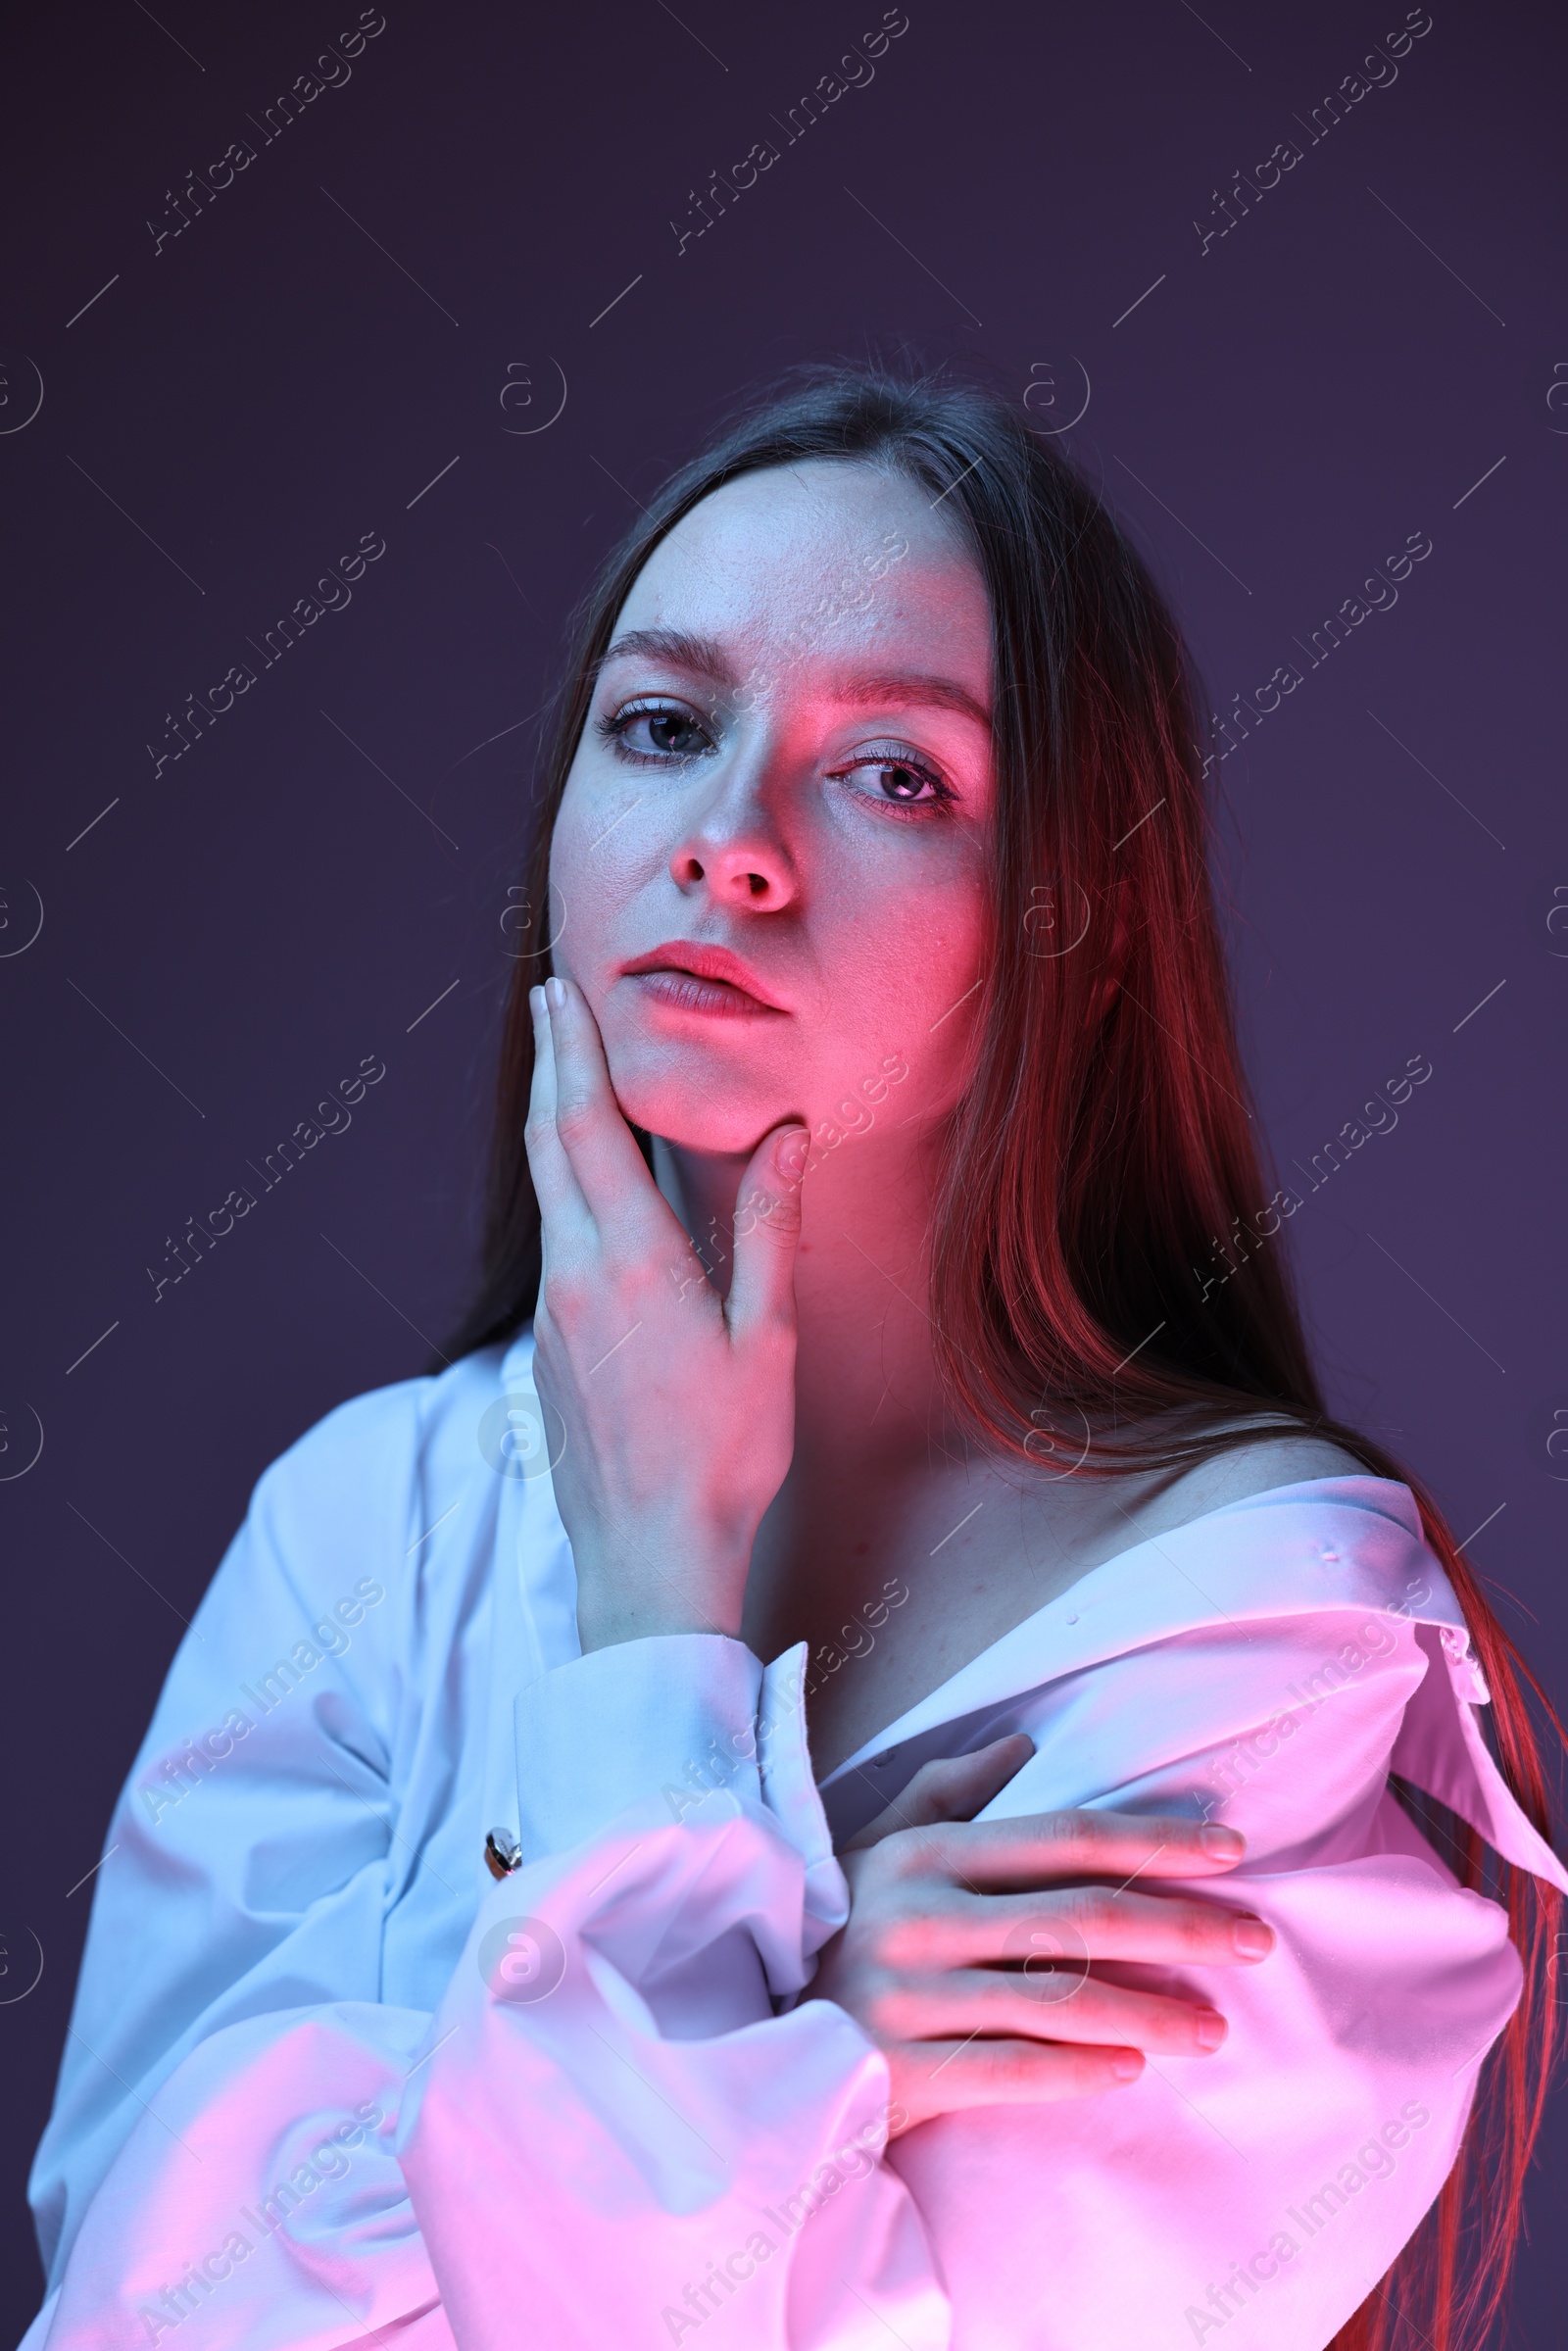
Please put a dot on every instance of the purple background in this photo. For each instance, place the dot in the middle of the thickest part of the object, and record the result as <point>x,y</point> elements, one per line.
<point>1277,415</point>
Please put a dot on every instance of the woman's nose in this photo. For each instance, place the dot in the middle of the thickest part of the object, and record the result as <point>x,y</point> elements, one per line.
<point>737,858</point>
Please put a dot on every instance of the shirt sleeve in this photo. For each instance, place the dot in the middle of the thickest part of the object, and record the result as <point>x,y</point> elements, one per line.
<point>607,2122</point>
<point>219,2159</point>
<point>611,2060</point>
<point>1255,2196</point>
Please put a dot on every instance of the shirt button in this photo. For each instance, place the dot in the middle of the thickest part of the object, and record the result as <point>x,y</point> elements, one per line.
<point>501,1854</point>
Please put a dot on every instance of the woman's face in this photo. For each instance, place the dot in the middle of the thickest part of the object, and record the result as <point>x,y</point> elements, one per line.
<point>769,872</point>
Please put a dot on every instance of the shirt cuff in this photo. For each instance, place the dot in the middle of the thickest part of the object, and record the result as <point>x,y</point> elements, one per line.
<point>672,1718</point>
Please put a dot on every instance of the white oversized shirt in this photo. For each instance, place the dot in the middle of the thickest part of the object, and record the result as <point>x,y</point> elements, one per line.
<point>327,2080</point>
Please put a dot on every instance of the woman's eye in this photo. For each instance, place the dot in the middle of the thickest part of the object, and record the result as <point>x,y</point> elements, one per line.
<point>895,777</point>
<point>658,733</point>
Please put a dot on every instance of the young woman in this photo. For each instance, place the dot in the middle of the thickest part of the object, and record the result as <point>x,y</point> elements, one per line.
<point>852,1771</point>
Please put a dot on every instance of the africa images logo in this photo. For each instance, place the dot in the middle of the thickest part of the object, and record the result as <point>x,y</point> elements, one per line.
<point>521,1960</point>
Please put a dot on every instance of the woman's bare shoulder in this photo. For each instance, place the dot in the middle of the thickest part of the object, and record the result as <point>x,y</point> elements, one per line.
<point>1292,1457</point>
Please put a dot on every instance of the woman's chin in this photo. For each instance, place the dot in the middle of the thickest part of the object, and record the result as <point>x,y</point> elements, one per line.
<point>693,1121</point>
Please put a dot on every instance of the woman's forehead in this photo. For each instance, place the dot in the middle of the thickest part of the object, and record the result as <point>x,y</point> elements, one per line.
<point>822,551</point>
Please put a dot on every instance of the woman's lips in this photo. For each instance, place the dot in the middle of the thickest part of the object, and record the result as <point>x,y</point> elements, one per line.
<point>690,975</point>
<point>684,992</point>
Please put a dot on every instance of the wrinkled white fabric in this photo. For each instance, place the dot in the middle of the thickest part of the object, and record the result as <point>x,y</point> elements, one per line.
<point>326,2078</point>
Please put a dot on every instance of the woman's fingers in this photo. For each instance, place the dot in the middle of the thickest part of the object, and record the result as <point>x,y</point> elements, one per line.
<point>583,1142</point>
<point>622,1196</point>
<point>1066,2006</point>
<point>932,2078</point>
<point>953,1790</point>
<point>1041,1848</point>
<point>677,1440</point>
<point>767,1228</point>
<point>562,1205</point>
<point>1068,1930</point>
<point>971,1951</point>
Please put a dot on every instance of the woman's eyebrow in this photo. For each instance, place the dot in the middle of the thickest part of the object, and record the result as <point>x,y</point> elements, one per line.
<point>914,686</point>
<point>699,656</point>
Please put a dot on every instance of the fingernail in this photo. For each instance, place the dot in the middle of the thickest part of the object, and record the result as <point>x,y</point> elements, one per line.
<point>555,993</point>
<point>1224,1843</point>
<point>1254,1937</point>
<point>1126,2065</point>
<point>1210,2027</point>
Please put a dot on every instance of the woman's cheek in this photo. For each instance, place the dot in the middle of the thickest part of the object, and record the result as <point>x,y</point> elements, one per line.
<point>940,989</point>
<point>589,892</point>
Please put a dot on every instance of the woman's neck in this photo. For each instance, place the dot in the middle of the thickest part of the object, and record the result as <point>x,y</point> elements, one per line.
<point>866,1386</point>
<point>883,1496</point>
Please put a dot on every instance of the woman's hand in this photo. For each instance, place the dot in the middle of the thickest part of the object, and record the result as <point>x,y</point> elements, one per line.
<point>678,1406</point>
<point>969,1953</point>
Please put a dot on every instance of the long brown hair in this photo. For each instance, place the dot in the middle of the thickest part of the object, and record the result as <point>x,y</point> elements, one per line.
<point>1110,1282</point>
